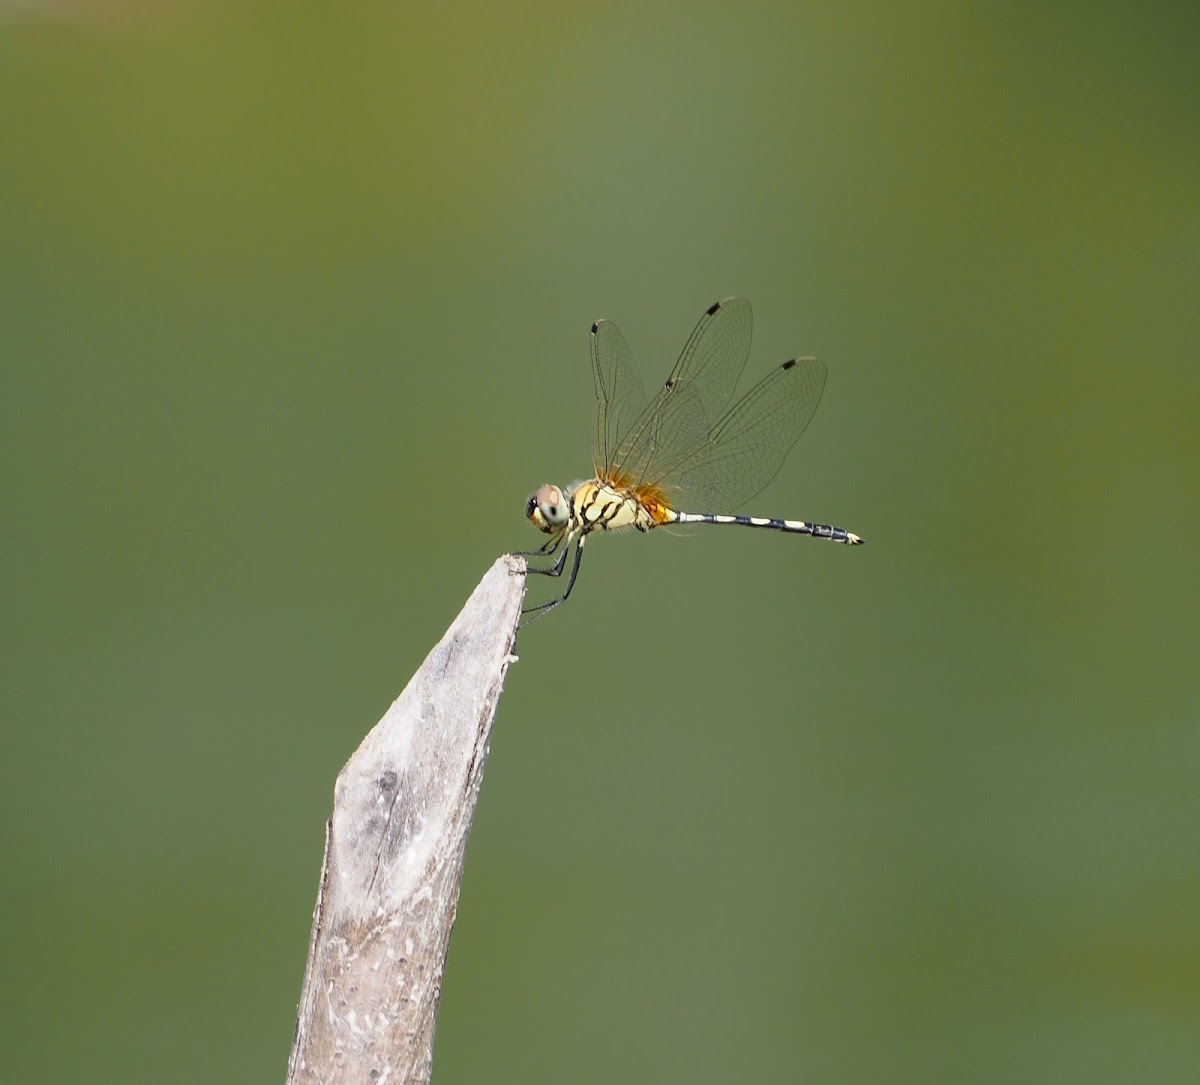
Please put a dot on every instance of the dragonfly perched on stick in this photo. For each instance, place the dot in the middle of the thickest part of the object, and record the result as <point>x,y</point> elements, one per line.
<point>685,445</point>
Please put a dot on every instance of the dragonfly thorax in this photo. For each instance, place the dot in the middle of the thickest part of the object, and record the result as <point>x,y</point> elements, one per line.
<point>599,504</point>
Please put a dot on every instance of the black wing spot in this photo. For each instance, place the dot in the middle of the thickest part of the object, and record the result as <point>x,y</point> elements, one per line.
<point>712,308</point>
<point>789,363</point>
<point>595,327</point>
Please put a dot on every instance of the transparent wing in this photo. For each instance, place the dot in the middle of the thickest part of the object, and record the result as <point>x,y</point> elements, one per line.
<point>745,448</point>
<point>682,414</point>
<point>620,401</point>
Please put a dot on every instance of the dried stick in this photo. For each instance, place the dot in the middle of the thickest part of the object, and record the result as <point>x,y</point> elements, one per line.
<point>394,849</point>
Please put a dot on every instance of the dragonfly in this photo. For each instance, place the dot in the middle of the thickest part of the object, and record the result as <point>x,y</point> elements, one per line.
<point>687,445</point>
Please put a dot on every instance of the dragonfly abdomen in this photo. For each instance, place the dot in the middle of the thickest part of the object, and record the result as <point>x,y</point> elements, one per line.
<point>796,527</point>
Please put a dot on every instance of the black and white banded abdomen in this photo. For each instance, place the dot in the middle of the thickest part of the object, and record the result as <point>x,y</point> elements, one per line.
<point>796,527</point>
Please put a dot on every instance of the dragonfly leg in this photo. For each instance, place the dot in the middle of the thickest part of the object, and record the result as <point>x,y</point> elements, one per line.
<point>547,548</point>
<point>554,570</point>
<point>542,609</point>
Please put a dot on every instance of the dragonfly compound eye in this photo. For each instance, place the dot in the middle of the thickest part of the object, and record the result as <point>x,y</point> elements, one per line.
<point>552,504</point>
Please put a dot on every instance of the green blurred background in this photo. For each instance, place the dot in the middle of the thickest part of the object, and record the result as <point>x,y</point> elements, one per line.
<point>293,314</point>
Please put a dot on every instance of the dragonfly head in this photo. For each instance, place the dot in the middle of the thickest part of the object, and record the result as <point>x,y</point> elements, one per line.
<point>549,509</point>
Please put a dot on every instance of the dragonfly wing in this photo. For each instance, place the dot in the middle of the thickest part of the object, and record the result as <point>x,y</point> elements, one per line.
<point>620,400</point>
<point>692,397</point>
<point>746,447</point>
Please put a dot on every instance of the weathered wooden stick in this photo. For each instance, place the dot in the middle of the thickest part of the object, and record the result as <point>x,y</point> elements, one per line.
<point>394,849</point>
